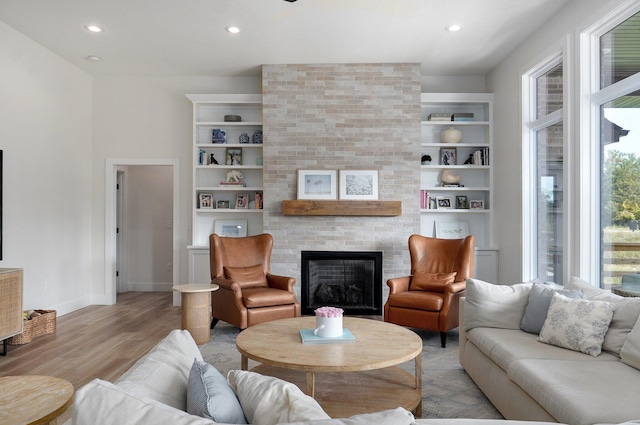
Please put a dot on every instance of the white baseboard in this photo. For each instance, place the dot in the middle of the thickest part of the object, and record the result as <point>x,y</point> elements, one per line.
<point>149,286</point>
<point>70,306</point>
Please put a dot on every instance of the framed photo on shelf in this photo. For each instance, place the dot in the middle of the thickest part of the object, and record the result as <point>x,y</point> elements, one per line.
<point>230,228</point>
<point>259,199</point>
<point>242,201</point>
<point>205,201</point>
<point>457,229</point>
<point>443,202</point>
<point>222,205</point>
<point>476,204</point>
<point>462,203</point>
<point>234,156</point>
<point>317,184</point>
<point>448,156</point>
<point>359,184</point>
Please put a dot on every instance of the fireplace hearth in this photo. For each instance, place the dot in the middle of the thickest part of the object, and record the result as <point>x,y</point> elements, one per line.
<point>351,280</point>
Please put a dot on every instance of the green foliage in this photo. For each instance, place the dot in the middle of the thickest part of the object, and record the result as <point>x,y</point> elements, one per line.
<point>621,188</point>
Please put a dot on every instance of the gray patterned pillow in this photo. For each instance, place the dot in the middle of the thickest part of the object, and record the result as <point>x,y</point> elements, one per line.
<point>578,325</point>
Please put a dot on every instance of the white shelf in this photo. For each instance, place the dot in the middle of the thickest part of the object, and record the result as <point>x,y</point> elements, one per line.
<point>456,189</point>
<point>455,123</point>
<point>457,167</point>
<point>231,167</point>
<point>230,210</point>
<point>228,124</point>
<point>455,211</point>
<point>229,189</point>
<point>228,145</point>
<point>454,145</point>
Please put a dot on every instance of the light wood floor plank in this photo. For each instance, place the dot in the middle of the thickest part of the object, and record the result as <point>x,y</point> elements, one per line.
<point>97,341</point>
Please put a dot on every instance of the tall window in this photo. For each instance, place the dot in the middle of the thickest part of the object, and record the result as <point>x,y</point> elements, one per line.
<point>543,182</point>
<point>618,103</point>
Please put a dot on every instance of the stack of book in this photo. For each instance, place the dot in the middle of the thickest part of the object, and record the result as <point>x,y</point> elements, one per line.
<point>481,157</point>
<point>463,116</point>
<point>237,184</point>
<point>424,200</point>
<point>439,116</point>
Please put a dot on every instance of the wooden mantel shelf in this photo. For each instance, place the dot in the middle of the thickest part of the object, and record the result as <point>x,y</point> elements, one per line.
<point>344,208</point>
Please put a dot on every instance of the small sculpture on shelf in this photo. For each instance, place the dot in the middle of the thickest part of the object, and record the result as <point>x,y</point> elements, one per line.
<point>469,160</point>
<point>449,178</point>
<point>425,160</point>
<point>234,176</point>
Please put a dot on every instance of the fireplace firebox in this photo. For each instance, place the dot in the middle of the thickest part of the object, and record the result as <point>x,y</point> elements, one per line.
<point>351,280</point>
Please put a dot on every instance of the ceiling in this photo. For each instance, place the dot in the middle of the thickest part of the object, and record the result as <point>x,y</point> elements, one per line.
<point>188,37</point>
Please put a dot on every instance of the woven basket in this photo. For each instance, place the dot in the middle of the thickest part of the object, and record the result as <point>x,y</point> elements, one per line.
<point>44,324</point>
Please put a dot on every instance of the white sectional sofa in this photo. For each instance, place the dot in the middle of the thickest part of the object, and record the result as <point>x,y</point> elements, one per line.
<point>527,379</point>
<point>157,390</point>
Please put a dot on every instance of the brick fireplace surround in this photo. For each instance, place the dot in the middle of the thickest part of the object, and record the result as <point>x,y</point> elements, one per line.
<point>342,117</point>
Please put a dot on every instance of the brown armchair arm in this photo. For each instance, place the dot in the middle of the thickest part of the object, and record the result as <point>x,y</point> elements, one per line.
<point>225,284</point>
<point>398,284</point>
<point>456,287</point>
<point>285,283</point>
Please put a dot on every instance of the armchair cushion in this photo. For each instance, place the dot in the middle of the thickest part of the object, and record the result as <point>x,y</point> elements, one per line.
<point>266,297</point>
<point>417,300</point>
<point>423,281</point>
<point>247,277</point>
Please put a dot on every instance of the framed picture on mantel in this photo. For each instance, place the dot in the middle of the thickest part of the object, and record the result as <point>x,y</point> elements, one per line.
<point>317,184</point>
<point>359,184</point>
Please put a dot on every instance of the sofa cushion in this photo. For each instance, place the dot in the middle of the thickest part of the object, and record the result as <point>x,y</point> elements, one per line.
<point>247,277</point>
<point>209,395</point>
<point>630,352</point>
<point>576,392</point>
<point>422,281</point>
<point>105,403</point>
<point>163,374</point>
<point>266,297</point>
<point>417,300</point>
<point>505,346</point>
<point>625,316</point>
<point>578,325</point>
<point>397,416</point>
<point>495,306</point>
<point>538,304</point>
<point>267,400</point>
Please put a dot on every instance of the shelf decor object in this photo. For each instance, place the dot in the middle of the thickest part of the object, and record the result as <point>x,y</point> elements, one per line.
<point>451,135</point>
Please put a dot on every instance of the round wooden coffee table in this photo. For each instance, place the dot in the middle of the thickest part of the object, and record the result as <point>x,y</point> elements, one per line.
<point>33,399</point>
<point>196,309</point>
<point>357,377</point>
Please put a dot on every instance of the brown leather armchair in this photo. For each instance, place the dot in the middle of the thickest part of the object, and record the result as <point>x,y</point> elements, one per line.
<point>429,298</point>
<point>249,294</point>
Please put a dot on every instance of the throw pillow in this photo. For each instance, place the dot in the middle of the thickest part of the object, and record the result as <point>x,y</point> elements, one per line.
<point>210,396</point>
<point>630,352</point>
<point>431,281</point>
<point>494,306</point>
<point>247,277</point>
<point>267,400</point>
<point>578,325</point>
<point>624,318</point>
<point>536,310</point>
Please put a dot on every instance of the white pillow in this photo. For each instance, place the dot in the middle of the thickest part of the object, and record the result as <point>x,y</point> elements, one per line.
<point>578,325</point>
<point>266,400</point>
<point>105,403</point>
<point>495,306</point>
<point>630,352</point>
<point>397,416</point>
<point>163,374</point>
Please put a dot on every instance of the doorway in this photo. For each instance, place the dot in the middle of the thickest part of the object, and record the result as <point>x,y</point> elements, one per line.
<point>141,226</point>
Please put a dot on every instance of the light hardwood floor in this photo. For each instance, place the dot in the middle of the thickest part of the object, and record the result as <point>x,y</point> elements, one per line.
<point>97,341</point>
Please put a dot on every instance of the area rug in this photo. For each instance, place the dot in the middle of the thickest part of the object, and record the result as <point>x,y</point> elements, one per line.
<point>447,390</point>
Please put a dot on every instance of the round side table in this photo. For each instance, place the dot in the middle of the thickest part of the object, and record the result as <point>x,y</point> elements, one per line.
<point>196,309</point>
<point>33,399</point>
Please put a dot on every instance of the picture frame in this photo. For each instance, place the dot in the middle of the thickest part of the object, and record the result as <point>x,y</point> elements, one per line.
<point>221,205</point>
<point>205,201</point>
<point>456,229</point>
<point>233,156</point>
<point>242,201</point>
<point>476,204</point>
<point>317,184</point>
<point>462,203</point>
<point>443,202</point>
<point>259,200</point>
<point>359,184</point>
<point>230,228</point>
<point>448,156</point>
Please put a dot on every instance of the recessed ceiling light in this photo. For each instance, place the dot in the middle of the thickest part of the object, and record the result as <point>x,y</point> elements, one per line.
<point>94,28</point>
<point>232,29</point>
<point>453,28</point>
<point>93,58</point>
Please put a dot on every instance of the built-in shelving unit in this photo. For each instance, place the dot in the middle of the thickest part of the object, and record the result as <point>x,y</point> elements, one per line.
<point>209,111</point>
<point>476,178</point>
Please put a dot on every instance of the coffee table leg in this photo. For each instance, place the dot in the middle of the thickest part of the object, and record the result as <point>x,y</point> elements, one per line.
<point>311,384</point>
<point>244,363</point>
<point>418,412</point>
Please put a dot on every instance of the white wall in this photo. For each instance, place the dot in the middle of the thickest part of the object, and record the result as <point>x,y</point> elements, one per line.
<point>45,132</point>
<point>147,118</point>
<point>505,82</point>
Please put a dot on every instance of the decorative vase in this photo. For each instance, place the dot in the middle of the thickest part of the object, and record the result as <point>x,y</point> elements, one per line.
<point>328,322</point>
<point>257,137</point>
<point>451,135</point>
<point>244,138</point>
